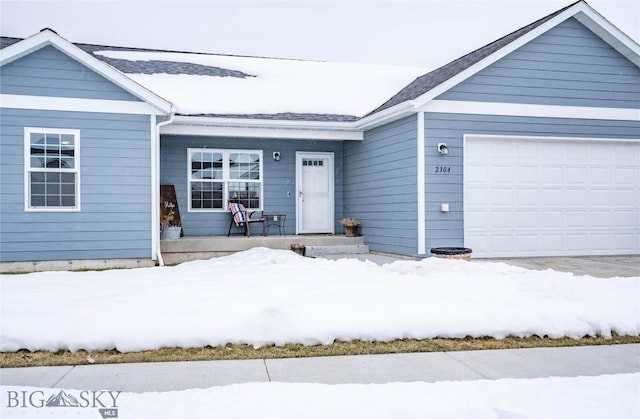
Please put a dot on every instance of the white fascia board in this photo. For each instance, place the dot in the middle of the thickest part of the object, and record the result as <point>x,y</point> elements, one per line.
<point>48,37</point>
<point>262,131</point>
<point>391,114</point>
<point>267,123</point>
<point>49,103</point>
<point>528,110</point>
<point>503,52</point>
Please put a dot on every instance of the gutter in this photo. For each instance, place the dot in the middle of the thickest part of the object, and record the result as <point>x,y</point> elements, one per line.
<point>156,178</point>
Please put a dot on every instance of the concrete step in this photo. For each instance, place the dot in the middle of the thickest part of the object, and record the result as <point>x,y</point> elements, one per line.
<point>354,249</point>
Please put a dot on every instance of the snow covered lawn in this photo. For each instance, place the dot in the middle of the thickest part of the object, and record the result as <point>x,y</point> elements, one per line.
<point>268,296</point>
<point>608,396</point>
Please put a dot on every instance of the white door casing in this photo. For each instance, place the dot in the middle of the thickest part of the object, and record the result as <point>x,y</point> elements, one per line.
<point>314,193</point>
<point>551,196</point>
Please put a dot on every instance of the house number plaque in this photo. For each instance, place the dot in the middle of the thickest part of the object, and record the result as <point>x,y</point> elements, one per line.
<point>443,169</point>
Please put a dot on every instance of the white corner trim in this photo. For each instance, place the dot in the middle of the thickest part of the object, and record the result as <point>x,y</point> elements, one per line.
<point>262,132</point>
<point>155,188</point>
<point>47,37</point>
<point>50,103</point>
<point>528,110</point>
<point>421,210</point>
<point>578,8</point>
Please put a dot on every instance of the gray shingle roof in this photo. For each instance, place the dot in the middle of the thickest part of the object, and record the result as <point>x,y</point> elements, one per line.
<point>426,82</point>
<point>158,66</point>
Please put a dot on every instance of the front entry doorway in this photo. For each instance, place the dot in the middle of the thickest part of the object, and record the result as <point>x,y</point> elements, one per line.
<point>315,188</point>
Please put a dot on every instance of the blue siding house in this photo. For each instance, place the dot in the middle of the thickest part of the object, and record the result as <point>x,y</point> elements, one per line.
<point>528,146</point>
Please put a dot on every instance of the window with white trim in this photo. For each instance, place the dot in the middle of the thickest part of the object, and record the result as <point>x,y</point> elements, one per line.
<point>217,176</point>
<point>52,169</point>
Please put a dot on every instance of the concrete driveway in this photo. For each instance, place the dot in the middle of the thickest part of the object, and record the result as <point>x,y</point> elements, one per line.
<point>598,266</point>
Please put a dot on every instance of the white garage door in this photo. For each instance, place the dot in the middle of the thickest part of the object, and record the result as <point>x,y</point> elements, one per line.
<point>537,197</point>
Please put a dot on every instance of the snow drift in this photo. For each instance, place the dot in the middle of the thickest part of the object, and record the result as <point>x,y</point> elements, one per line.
<point>264,296</point>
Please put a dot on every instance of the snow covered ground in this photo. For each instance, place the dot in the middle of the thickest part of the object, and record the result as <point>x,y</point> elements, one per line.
<point>266,296</point>
<point>607,396</point>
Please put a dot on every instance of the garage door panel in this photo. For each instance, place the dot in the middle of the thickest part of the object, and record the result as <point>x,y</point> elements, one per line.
<point>624,218</point>
<point>576,175</point>
<point>550,220</point>
<point>550,175</point>
<point>551,242</point>
<point>624,176</point>
<point>537,197</point>
<point>625,197</point>
<point>573,197</point>
<point>500,219</point>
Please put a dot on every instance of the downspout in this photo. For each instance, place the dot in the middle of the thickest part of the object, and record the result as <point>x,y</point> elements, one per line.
<point>156,183</point>
<point>420,150</point>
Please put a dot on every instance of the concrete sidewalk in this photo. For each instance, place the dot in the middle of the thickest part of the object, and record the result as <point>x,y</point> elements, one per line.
<point>428,367</point>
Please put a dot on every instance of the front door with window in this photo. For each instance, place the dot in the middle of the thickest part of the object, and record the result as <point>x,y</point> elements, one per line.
<point>314,184</point>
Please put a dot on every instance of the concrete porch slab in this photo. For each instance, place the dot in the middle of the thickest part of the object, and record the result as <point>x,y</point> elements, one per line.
<point>193,248</point>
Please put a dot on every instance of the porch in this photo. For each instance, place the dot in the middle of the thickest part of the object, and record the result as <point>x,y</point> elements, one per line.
<point>206,247</point>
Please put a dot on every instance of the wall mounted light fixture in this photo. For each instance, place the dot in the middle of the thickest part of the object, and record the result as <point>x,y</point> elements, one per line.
<point>443,149</point>
<point>276,155</point>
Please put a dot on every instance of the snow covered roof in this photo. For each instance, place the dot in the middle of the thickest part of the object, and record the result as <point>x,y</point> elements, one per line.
<point>223,85</point>
<point>255,87</point>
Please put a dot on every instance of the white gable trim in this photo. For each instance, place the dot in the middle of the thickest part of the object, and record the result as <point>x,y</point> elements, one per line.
<point>613,36</point>
<point>47,37</point>
<point>50,103</point>
<point>581,11</point>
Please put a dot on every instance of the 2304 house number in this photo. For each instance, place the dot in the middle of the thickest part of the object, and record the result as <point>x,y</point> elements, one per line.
<point>443,169</point>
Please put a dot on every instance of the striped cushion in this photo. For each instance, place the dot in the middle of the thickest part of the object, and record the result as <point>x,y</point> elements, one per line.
<point>238,211</point>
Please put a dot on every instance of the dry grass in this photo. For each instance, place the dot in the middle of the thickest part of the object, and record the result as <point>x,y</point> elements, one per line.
<point>25,358</point>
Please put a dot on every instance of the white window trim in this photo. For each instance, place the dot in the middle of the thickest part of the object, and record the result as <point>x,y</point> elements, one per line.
<point>27,168</point>
<point>225,177</point>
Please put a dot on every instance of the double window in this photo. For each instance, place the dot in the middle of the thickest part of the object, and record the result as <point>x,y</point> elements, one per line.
<point>52,169</point>
<point>218,176</point>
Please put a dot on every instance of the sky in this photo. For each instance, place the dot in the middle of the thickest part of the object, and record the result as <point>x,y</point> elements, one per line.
<point>425,33</point>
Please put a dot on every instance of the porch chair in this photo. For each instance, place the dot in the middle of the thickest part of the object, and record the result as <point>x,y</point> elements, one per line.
<point>241,218</point>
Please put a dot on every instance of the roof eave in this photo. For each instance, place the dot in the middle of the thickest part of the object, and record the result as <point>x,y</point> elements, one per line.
<point>385,116</point>
<point>48,37</point>
<point>257,128</point>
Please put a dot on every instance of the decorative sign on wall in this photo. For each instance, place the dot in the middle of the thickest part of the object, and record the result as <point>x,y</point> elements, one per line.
<point>169,206</point>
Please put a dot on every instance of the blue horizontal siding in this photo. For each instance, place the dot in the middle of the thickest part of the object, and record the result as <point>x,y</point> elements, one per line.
<point>115,197</point>
<point>447,229</point>
<point>279,178</point>
<point>380,186</point>
<point>49,72</point>
<point>568,65</point>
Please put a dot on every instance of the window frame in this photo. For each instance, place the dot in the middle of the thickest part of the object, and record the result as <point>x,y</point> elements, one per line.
<point>28,169</point>
<point>226,179</point>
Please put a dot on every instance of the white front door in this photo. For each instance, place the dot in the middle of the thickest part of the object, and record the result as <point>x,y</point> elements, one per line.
<point>314,184</point>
